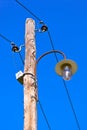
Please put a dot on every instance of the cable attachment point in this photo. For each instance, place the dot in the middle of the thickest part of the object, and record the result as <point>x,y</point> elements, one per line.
<point>44,28</point>
<point>41,22</point>
<point>14,47</point>
<point>38,30</point>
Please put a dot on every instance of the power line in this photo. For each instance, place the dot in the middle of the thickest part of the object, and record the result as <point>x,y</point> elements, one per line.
<point>55,57</point>
<point>71,105</point>
<point>57,61</point>
<point>14,61</point>
<point>69,98</point>
<point>5,38</point>
<point>29,11</point>
<point>52,45</point>
<point>21,58</point>
<point>44,115</point>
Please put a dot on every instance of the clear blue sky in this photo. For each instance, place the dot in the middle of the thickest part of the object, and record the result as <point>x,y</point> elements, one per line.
<point>67,23</point>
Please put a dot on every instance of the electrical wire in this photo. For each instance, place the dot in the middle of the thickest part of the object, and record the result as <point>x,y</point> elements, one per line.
<point>14,61</point>
<point>55,57</point>
<point>52,45</point>
<point>69,98</point>
<point>6,39</point>
<point>23,63</point>
<point>44,115</point>
<point>29,11</point>
<point>21,58</point>
<point>71,105</point>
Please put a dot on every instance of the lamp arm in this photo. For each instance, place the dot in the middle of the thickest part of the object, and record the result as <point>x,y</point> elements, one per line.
<point>49,52</point>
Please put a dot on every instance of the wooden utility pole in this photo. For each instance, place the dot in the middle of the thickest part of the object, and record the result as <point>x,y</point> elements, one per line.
<point>29,80</point>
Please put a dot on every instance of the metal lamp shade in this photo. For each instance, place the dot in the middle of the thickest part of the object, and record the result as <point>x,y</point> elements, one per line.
<point>62,63</point>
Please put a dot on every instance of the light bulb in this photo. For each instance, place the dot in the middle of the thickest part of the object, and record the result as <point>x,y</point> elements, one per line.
<point>66,73</point>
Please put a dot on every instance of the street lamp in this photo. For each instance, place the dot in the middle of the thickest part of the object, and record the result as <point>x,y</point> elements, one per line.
<point>66,68</point>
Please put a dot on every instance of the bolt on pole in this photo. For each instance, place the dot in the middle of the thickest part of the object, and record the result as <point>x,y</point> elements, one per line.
<point>29,80</point>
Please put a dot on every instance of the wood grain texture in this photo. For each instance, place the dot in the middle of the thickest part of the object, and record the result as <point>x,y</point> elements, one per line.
<point>30,93</point>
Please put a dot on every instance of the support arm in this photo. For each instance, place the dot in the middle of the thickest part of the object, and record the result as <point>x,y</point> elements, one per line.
<point>49,52</point>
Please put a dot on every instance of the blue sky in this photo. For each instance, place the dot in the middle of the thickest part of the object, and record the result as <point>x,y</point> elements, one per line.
<point>67,23</point>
